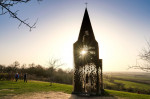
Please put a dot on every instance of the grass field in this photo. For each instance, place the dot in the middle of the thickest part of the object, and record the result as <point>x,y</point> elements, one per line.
<point>127,95</point>
<point>132,82</point>
<point>14,88</point>
<point>109,83</point>
<point>127,76</point>
<point>9,87</point>
<point>129,84</point>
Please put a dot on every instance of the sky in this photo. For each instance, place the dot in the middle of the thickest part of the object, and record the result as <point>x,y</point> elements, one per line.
<point>121,28</point>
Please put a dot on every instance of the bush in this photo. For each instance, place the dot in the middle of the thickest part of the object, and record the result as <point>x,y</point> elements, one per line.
<point>5,76</point>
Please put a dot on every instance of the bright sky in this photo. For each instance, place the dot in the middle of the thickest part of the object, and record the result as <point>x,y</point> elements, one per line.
<point>121,28</point>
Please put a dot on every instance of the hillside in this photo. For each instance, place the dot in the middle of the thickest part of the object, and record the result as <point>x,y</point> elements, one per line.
<point>11,88</point>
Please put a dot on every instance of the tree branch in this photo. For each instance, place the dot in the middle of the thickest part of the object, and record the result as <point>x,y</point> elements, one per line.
<point>55,63</point>
<point>144,56</point>
<point>6,4</point>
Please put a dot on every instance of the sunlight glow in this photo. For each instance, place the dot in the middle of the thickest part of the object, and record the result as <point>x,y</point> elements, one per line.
<point>120,38</point>
<point>83,52</point>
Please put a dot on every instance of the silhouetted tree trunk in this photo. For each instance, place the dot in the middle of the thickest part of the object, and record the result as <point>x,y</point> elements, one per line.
<point>53,65</point>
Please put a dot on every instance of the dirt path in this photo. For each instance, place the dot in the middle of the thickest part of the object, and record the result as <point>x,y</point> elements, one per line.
<point>52,95</point>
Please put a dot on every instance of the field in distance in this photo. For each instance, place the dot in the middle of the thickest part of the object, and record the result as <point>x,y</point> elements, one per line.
<point>126,81</point>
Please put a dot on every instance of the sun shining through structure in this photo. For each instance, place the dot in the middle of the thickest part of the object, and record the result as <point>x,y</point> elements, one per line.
<point>83,52</point>
<point>87,65</point>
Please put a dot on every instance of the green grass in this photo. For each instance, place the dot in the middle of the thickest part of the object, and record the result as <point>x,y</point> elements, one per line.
<point>9,87</point>
<point>135,77</point>
<point>129,84</point>
<point>14,88</point>
<point>108,82</point>
<point>127,95</point>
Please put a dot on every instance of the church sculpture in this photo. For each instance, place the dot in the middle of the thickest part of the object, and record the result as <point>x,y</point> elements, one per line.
<point>88,78</point>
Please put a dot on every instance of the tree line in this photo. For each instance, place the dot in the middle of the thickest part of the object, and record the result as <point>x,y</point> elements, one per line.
<point>37,72</point>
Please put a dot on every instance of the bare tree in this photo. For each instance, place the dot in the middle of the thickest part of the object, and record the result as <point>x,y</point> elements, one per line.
<point>144,58</point>
<point>53,65</point>
<point>6,6</point>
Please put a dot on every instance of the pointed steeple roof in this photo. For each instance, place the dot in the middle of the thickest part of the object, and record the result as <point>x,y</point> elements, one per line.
<point>86,26</point>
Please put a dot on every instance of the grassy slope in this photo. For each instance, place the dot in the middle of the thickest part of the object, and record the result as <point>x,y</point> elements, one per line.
<point>9,87</point>
<point>108,83</point>
<point>135,77</point>
<point>32,86</point>
<point>129,84</point>
<point>127,95</point>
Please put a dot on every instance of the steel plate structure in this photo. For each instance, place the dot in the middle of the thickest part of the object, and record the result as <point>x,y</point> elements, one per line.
<point>88,78</point>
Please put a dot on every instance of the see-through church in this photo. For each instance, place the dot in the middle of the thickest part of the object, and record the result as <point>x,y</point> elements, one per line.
<point>87,65</point>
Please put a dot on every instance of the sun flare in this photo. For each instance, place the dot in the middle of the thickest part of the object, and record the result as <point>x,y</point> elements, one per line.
<point>83,52</point>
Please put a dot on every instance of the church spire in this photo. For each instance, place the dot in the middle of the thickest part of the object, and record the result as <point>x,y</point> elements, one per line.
<point>86,4</point>
<point>86,27</point>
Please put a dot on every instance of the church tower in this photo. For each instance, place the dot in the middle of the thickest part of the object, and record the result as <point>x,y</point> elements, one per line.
<point>87,65</point>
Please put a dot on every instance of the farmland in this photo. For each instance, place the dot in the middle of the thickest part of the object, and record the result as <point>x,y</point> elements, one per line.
<point>130,82</point>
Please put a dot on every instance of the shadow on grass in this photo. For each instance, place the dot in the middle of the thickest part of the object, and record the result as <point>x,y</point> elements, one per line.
<point>12,88</point>
<point>8,96</point>
<point>7,92</point>
<point>106,95</point>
